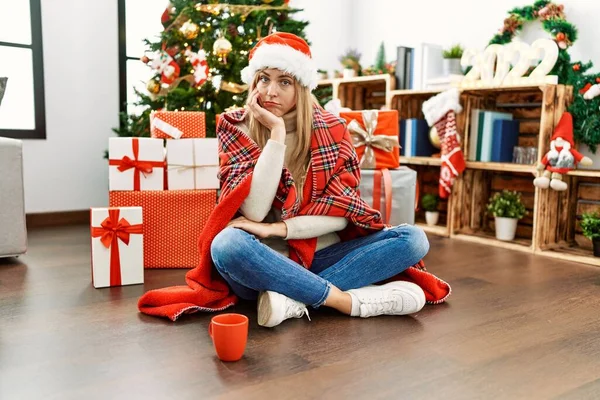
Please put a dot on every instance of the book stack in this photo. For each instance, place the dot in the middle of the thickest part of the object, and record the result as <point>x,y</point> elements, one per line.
<point>493,135</point>
<point>414,138</point>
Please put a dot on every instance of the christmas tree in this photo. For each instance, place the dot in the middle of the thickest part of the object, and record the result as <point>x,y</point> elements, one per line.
<point>380,60</point>
<point>200,54</point>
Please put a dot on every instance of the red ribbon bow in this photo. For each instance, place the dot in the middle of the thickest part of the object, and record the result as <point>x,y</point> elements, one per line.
<point>145,167</point>
<point>110,231</point>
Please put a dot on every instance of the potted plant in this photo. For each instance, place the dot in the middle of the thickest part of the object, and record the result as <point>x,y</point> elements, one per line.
<point>451,60</point>
<point>322,74</point>
<point>350,61</point>
<point>508,209</point>
<point>429,202</point>
<point>590,225</point>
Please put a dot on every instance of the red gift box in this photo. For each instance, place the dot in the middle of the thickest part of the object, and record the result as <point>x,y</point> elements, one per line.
<point>375,135</point>
<point>173,223</point>
<point>177,124</point>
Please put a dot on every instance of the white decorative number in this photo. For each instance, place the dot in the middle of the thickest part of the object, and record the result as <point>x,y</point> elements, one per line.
<point>492,67</point>
<point>523,52</point>
<point>490,56</point>
<point>471,58</point>
<point>550,49</point>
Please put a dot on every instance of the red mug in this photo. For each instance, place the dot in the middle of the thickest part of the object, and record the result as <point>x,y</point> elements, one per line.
<point>229,333</point>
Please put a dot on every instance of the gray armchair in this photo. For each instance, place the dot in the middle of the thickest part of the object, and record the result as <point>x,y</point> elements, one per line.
<point>3,82</point>
<point>13,229</point>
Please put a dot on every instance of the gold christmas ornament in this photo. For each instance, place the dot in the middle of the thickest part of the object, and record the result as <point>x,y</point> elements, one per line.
<point>222,47</point>
<point>267,1</point>
<point>153,86</point>
<point>189,30</point>
<point>434,137</point>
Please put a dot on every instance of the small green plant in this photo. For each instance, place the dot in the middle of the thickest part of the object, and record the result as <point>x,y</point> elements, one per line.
<point>350,59</point>
<point>590,225</point>
<point>429,202</point>
<point>507,204</point>
<point>455,51</point>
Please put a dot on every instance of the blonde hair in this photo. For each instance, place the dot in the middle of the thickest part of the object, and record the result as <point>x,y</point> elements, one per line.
<point>300,157</point>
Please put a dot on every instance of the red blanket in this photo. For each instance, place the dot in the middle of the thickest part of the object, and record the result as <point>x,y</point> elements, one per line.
<point>331,189</point>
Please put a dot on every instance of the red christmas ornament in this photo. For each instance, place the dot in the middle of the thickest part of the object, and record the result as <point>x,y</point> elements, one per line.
<point>560,36</point>
<point>597,80</point>
<point>172,51</point>
<point>585,88</point>
<point>576,67</point>
<point>145,59</point>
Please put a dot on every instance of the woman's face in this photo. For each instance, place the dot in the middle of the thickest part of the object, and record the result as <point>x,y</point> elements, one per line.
<point>277,92</point>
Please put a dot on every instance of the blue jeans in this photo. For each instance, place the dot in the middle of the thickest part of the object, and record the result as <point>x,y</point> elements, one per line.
<point>250,266</point>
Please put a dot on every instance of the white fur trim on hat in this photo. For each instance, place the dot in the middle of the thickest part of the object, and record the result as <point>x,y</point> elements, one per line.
<point>437,106</point>
<point>285,58</point>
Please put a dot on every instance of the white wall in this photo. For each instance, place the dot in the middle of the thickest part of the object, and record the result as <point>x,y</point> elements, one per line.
<point>329,29</point>
<point>66,171</point>
<point>446,22</point>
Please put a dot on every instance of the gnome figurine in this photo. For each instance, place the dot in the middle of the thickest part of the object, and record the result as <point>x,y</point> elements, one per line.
<point>561,158</point>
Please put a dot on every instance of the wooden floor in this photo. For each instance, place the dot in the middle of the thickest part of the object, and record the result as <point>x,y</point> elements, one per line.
<point>517,326</point>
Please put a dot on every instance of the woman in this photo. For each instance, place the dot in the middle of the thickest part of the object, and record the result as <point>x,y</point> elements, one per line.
<point>251,253</point>
<point>290,228</point>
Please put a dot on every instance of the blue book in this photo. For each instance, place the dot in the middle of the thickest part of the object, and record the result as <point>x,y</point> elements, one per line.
<point>422,143</point>
<point>504,138</point>
<point>406,138</point>
<point>486,126</point>
<point>414,138</point>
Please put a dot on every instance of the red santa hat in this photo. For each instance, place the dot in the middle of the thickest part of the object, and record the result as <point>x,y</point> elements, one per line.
<point>286,52</point>
<point>564,129</point>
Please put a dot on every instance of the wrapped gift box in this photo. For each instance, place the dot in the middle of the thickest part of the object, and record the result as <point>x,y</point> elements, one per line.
<point>117,242</point>
<point>177,124</point>
<point>173,222</point>
<point>403,194</point>
<point>136,164</point>
<point>375,135</point>
<point>193,164</point>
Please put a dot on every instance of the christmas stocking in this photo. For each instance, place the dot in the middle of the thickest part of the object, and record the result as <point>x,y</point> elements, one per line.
<point>440,111</point>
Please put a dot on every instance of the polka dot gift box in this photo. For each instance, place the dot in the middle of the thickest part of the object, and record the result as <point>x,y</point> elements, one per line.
<point>177,124</point>
<point>173,223</point>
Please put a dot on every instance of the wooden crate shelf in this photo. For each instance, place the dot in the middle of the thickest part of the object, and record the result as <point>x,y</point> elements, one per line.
<point>551,227</point>
<point>361,92</point>
<point>571,253</point>
<point>495,166</point>
<point>421,161</point>
<point>439,230</point>
<point>489,239</point>
<point>427,181</point>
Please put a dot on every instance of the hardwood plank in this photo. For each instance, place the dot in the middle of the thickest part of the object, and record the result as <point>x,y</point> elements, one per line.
<point>528,140</point>
<point>529,127</point>
<point>526,112</point>
<point>589,191</point>
<point>61,218</point>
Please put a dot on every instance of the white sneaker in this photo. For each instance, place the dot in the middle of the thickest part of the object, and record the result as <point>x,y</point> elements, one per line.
<point>274,308</point>
<point>394,298</point>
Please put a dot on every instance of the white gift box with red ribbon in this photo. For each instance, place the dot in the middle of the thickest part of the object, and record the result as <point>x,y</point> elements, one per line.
<point>117,243</point>
<point>136,164</point>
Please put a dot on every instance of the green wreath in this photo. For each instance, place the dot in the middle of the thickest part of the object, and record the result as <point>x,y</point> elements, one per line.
<point>586,113</point>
